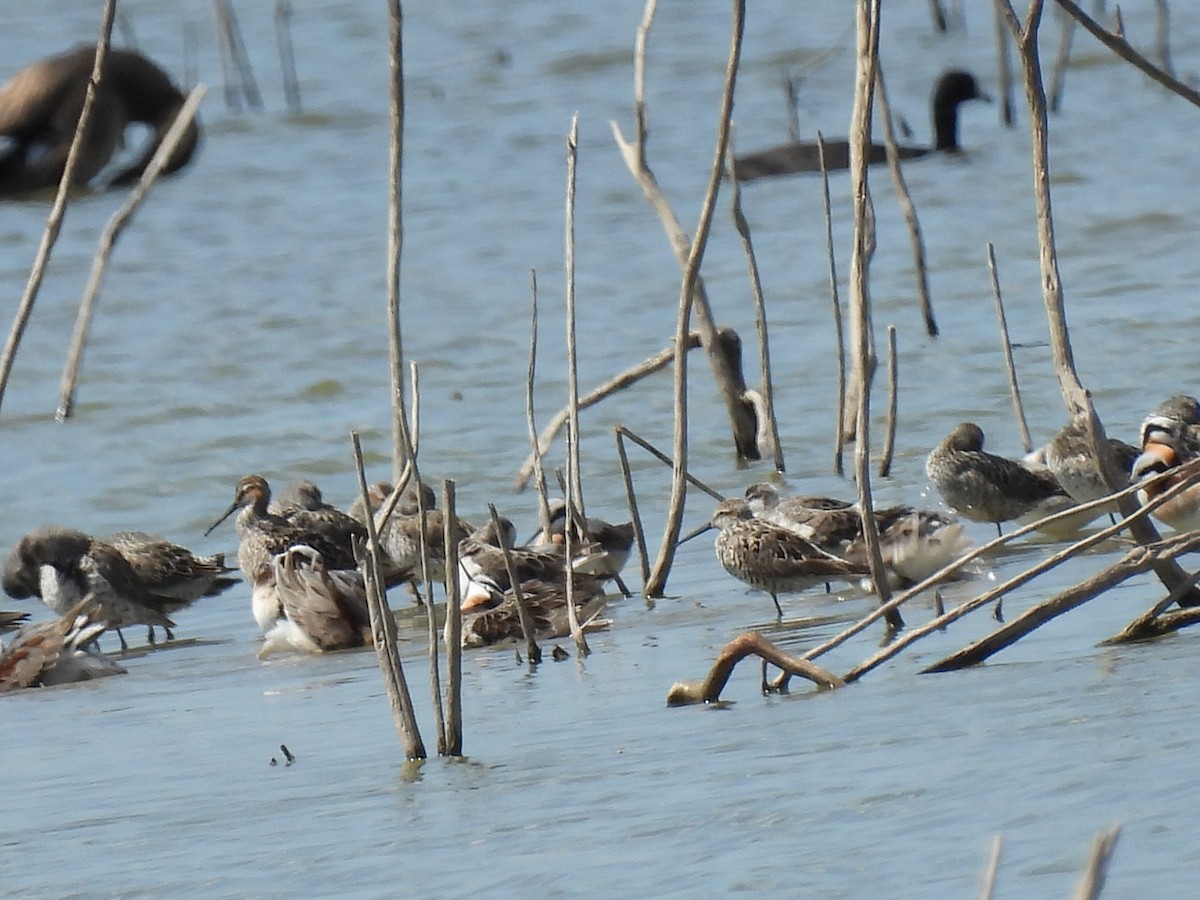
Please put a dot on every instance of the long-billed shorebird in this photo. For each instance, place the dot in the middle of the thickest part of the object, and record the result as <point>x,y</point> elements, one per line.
<point>317,610</point>
<point>61,651</point>
<point>770,557</point>
<point>984,487</point>
<point>495,617</point>
<point>1070,459</point>
<point>64,565</point>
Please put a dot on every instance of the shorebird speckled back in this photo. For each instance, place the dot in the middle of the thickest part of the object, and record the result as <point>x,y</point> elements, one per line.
<point>57,652</point>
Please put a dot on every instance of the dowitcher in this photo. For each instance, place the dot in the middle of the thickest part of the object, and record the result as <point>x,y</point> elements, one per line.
<point>64,565</point>
<point>1070,459</point>
<point>407,505</point>
<point>401,534</point>
<point>984,487</point>
<point>770,557</point>
<point>57,652</point>
<point>317,610</point>
<point>171,571</point>
<point>496,618</point>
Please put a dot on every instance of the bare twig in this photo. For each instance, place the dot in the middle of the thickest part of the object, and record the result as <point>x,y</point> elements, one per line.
<point>839,438</point>
<point>1062,58</point>
<point>749,643</point>
<point>108,239</point>
<point>453,740</point>
<point>1092,882</point>
<point>576,495</point>
<point>639,533</point>
<point>988,889</point>
<point>1162,36</point>
<point>889,437</point>
<point>59,209</point>
<point>535,455</point>
<point>667,461</point>
<point>287,54</point>
<point>1004,67</point>
<point>238,58</point>
<point>1006,344</point>
<point>396,233</point>
<point>532,652</point>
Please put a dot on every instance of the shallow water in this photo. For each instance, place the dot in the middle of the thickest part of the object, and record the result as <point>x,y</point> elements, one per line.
<point>241,329</point>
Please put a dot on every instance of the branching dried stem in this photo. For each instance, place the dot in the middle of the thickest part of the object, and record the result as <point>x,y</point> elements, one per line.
<point>383,628</point>
<point>1006,344</point>
<point>59,209</point>
<point>108,239</point>
<point>683,693</point>
<point>659,361</point>
<point>687,295</point>
<point>741,413</point>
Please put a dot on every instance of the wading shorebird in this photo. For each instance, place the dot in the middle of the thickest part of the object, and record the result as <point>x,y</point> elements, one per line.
<point>57,652</point>
<point>64,565</point>
<point>770,557</point>
<point>611,544</point>
<point>495,618</point>
<point>1070,459</point>
<point>984,487</point>
<point>317,610</point>
<point>1168,445</point>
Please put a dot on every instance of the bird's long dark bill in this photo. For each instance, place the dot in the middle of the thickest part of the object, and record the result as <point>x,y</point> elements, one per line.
<point>696,532</point>
<point>225,515</point>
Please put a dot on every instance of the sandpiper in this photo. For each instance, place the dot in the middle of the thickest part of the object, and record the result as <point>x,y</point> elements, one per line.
<point>612,543</point>
<point>770,557</point>
<point>1070,460</point>
<point>407,505</point>
<point>57,652</point>
<point>63,565</point>
<point>497,618</point>
<point>171,571</point>
<point>984,487</point>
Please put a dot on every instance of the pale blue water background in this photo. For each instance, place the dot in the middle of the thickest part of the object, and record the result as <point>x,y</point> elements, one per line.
<point>241,330</point>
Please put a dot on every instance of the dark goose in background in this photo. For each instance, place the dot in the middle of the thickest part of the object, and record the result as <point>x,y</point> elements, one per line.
<point>954,87</point>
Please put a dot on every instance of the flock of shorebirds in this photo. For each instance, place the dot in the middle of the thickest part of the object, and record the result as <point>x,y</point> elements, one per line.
<point>298,553</point>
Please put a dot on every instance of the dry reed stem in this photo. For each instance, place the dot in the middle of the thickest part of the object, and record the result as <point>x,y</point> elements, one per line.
<point>639,532</point>
<point>1014,582</point>
<point>1092,882</point>
<point>659,361</point>
<point>1062,58</point>
<point>287,54</point>
<point>939,15</point>
<point>768,425</point>
<point>867,28</point>
<point>904,198</point>
<point>384,513</point>
<point>452,742</point>
<point>741,414</point>
<point>396,231</point>
<point>667,461</point>
<point>683,693</point>
<point>687,295</point>
<point>889,436</point>
<point>573,478</point>
<point>532,652</point>
<point>1006,344</point>
<point>238,58</point>
<point>972,554</point>
<point>1121,47</point>
<point>535,455</point>
<point>988,889</point>
<point>233,97</point>
<point>1162,36</point>
<point>59,209</point>
<point>1134,562</point>
<point>839,438</point>
<point>792,100</point>
<point>581,644</point>
<point>383,628</point>
<point>108,239</point>
<point>1004,67</point>
<point>1076,398</point>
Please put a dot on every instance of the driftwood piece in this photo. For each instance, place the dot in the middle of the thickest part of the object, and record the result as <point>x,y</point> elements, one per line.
<point>750,643</point>
<point>58,211</point>
<point>108,240</point>
<point>741,413</point>
<point>658,361</point>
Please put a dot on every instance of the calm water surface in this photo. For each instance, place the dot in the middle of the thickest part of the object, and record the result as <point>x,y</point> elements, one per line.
<point>241,329</point>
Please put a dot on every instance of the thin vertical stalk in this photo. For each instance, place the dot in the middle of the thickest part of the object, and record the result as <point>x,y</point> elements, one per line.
<point>1162,36</point>
<point>889,437</point>
<point>691,271</point>
<point>770,427</point>
<point>1092,883</point>
<point>453,741</point>
<point>1006,344</point>
<point>1004,68</point>
<point>287,54</point>
<point>839,338</point>
<point>539,474</point>
<point>383,630</point>
<point>59,209</point>
<point>532,652</point>
<point>988,889</point>
<point>639,533</point>
<point>414,427</point>
<point>581,644</point>
<point>108,239</point>
<point>396,233</point>
<point>1062,58</point>
<point>572,363</point>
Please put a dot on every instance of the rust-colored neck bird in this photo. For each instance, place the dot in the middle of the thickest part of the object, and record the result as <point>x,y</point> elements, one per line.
<point>40,108</point>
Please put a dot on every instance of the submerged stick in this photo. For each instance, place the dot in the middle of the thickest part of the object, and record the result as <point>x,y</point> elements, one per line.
<point>108,239</point>
<point>839,437</point>
<point>904,197</point>
<point>659,361</point>
<point>287,54</point>
<point>683,693</point>
<point>768,425</point>
<point>889,437</point>
<point>396,232</point>
<point>687,291</point>
<point>383,628</point>
<point>59,209</point>
<point>1006,344</point>
<point>453,733</point>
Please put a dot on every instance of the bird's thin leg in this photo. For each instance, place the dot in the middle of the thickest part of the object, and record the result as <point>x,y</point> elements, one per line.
<point>778,608</point>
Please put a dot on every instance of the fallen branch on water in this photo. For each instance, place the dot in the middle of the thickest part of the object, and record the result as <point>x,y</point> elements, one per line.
<point>751,643</point>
